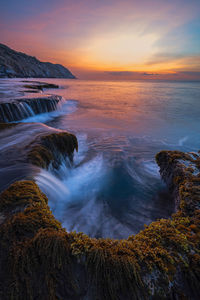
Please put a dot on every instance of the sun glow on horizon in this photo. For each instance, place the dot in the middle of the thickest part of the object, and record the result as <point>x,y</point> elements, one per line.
<point>120,50</point>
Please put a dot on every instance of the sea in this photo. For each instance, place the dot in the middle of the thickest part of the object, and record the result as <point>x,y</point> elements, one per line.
<point>113,187</point>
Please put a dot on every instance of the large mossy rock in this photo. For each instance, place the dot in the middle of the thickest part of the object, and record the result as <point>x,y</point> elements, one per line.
<point>40,260</point>
<point>52,149</point>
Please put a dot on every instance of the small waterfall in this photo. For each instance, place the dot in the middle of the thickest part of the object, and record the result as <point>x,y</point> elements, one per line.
<point>23,108</point>
<point>26,109</point>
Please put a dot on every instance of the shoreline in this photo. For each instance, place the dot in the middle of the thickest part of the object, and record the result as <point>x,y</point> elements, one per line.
<point>153,264</point>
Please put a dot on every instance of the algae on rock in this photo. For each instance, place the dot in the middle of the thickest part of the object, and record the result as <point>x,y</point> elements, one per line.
<point>39,259</point>
<point>52,148</point>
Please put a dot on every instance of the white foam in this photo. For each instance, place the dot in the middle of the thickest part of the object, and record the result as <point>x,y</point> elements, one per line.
<point>54,189</point>
<point>182,140</point>
<point>151,168</point>
<point>71,185</point>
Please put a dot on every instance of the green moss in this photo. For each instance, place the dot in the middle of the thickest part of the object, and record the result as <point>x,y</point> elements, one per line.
<point>161,247</point>
<point>160,262</point>
<point>64,141</point>
<point>40,156</point>
<point>40,264</point>
<point>22,193</point>
<point>18,231</point>
<point>49,147</point>
<point>173,156</point>
<point>27,211</point>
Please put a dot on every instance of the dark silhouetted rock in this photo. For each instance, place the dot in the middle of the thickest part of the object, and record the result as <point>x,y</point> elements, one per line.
<point>17,64</point>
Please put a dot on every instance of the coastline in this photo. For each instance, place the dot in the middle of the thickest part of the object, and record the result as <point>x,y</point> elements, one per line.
<point>160,262</point>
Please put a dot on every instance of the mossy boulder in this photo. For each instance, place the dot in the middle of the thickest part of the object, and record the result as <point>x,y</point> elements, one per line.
<point>181,172</point>
<point>52,149</point>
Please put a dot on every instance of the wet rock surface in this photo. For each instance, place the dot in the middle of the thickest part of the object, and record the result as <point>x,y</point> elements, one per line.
<point>36,145</point>
<point>181,172</point>
<point>52,149</point>
<point>21,108</point>
<point>36,86</point>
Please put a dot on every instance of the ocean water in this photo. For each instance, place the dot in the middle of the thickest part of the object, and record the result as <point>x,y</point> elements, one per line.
<point>113,186</point>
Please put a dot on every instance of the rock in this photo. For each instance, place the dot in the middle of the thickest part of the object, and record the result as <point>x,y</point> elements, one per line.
<point>181,172</point>
<point>39,86</point>
<point>52,148</point>
<point>44,146</point>
<point>40,260</point>
<point>21,108</point>
<point>17,64</point>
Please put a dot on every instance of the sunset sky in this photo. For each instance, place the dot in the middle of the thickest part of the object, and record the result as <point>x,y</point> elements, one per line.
<point>108,39</point>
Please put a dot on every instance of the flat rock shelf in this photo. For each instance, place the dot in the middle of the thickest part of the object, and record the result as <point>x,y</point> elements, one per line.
<point>22,108</point>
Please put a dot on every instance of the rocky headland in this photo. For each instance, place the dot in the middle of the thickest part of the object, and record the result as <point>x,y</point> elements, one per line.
<point>17,64</point>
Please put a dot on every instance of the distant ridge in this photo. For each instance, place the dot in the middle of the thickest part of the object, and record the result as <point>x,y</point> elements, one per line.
<point>18,64</point>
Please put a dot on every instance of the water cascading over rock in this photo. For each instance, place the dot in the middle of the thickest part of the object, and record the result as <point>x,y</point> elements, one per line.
<point>22,108</point>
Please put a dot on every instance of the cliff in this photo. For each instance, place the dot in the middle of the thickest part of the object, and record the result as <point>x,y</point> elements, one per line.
<point>17,64</point>
<point>39,259</point>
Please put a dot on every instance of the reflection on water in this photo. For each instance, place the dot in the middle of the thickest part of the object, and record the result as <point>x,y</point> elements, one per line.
<point>113,187</point>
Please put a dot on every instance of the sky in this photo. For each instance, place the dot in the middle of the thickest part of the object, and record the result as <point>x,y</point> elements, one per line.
<point>108,39</point>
